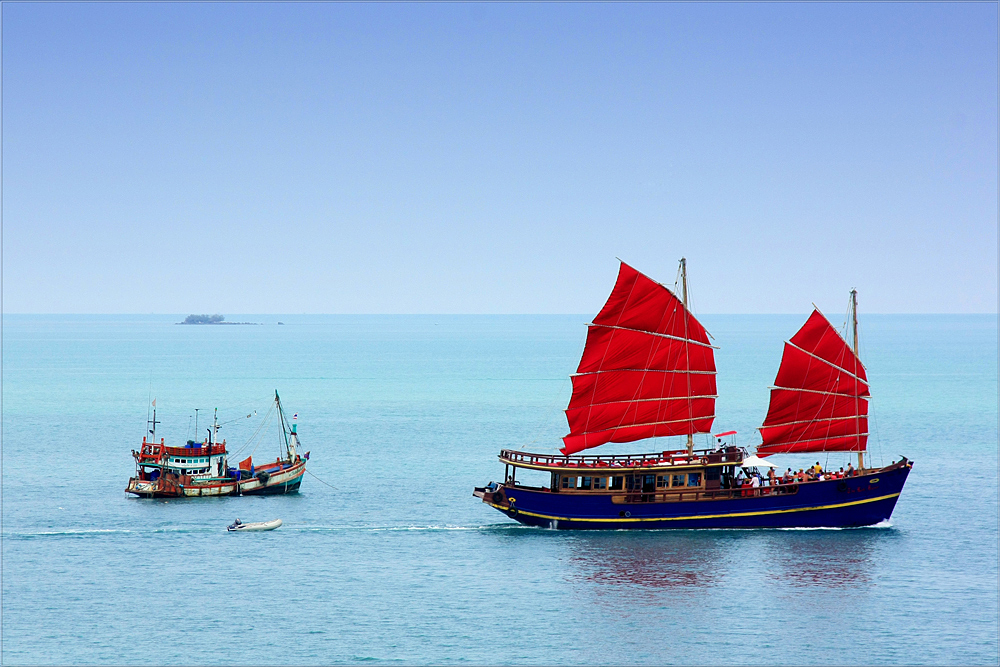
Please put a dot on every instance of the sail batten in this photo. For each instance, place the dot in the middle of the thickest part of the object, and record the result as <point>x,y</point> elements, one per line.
<point>647,369</point>
<point>659,335</point>
<point>820,398</point>
<point>828,363</point>
<point>648,424</point>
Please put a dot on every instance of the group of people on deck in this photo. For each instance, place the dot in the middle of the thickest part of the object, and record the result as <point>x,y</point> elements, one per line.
<point>815,473</point>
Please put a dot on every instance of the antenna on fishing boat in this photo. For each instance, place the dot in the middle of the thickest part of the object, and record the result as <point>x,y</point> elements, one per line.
<point>854,326</point>
<point>152,422</point>
<point>215,427</point>
<point>196,421</point>
<point>684,294</point>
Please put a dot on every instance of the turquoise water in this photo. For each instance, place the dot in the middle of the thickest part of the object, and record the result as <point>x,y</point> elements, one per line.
<point>399,563</point>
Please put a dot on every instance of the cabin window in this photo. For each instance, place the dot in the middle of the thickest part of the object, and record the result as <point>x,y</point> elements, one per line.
<point>600,483</point>
<point>616,483</point>
<point>694,479</point>
<point>679,480</point>
<point>585,483</point>
<point>569,482</point>
<point>662,481</point>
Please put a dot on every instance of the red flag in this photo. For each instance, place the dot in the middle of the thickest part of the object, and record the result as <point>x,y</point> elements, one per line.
<point>247,463</point>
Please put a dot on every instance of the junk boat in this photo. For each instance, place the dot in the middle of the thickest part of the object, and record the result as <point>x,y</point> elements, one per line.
<point>240,527</point>
<point>202,469</point>
<point>648,370</point>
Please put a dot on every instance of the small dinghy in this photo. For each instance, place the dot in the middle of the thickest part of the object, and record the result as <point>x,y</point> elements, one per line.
<point>253,527</point>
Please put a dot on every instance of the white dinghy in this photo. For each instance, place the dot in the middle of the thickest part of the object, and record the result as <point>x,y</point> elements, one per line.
<point>239,526</point>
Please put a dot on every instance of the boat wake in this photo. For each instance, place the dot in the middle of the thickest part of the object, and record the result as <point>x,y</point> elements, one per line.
<point>82,532</point>
<point>880,525</point>
<point>395,529</point>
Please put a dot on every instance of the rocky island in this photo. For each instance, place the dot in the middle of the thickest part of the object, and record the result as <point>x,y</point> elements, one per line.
<point>209,319</point>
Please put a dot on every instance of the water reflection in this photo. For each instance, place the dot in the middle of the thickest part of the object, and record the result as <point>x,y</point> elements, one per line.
<point>659,560</point>
<point>827,559</point>
<point>656,560</point>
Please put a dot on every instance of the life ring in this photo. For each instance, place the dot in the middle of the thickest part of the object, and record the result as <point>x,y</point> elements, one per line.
<point>842,486</point>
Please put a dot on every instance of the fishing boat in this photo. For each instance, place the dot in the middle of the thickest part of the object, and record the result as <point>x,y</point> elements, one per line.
<point>253,527</point>
<point>202,469</point>
<point>648,370</point>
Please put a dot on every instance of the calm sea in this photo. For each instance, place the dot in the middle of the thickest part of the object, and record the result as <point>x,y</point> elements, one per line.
<point>399,563</point>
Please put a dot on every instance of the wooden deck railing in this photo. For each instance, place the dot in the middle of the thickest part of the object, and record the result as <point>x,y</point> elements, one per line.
<point>676,457</point>
<point>702,494</point>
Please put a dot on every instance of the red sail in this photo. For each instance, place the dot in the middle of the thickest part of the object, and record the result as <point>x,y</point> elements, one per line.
<point>819,400</point>
<point>647,369</point>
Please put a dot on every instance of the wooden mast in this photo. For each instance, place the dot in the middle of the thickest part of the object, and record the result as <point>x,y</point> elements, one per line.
<point>684,289</point>
<point>854,323</point>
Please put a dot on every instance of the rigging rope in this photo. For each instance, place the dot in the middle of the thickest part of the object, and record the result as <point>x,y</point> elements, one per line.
<point>254,435</point>
<point>322,482</point>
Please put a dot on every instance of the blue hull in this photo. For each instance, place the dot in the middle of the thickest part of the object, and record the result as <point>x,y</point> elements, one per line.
<point>856,501</point>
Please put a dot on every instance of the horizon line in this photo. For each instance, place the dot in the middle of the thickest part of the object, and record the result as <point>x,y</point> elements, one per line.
<point>445,314</point>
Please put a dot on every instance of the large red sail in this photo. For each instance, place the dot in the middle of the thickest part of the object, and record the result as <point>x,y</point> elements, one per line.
<point>647,369</point>
<point>818,403</point>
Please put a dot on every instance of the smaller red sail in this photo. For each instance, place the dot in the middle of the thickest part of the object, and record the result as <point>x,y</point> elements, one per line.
<point>647,370</point>
<point>819,401</point>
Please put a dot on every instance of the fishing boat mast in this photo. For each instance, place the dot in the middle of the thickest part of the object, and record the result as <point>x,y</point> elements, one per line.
<point>290,435</point>
<point>214,433</point>
<point>153,422</point>
<point>854,323</point>
<point>684,289</point>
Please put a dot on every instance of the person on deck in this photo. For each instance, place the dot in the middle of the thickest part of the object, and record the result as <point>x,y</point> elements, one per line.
<point>771,481</point>
<point>850,470</point>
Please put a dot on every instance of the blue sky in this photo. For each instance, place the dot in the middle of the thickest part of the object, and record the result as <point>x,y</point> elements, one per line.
<point>496,158</point>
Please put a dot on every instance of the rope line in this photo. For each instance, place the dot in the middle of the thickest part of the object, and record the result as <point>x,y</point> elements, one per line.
<point>254,435</point>
<point>321,481</point>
